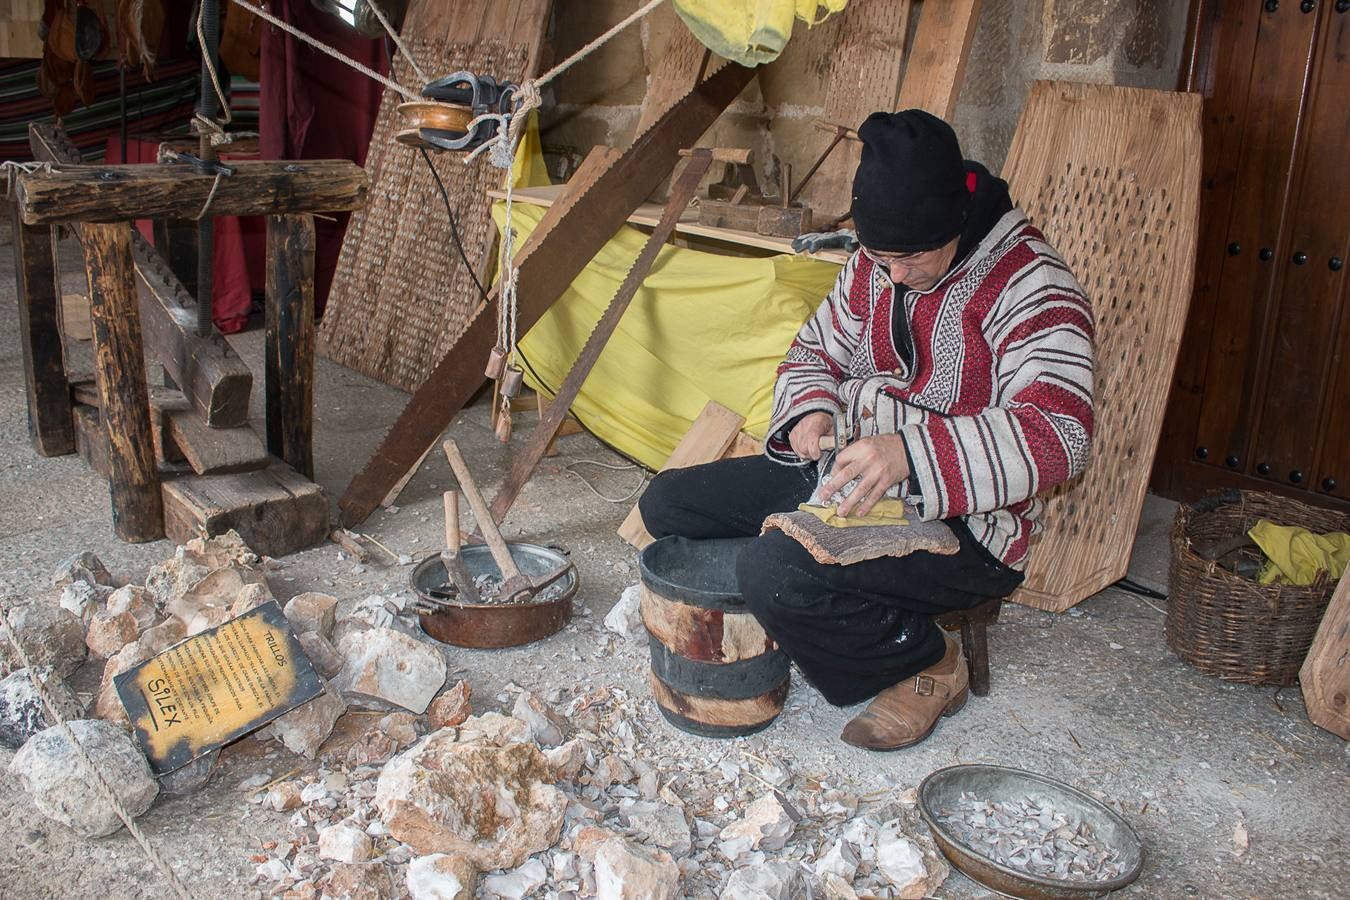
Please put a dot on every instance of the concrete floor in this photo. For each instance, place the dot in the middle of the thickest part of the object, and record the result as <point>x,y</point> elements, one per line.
<point>1093,696</point>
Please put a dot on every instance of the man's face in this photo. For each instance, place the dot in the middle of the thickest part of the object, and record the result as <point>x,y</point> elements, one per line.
<point>919,270</point>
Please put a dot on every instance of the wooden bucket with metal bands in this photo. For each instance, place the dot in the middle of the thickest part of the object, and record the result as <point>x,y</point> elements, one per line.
<point>714,670</point>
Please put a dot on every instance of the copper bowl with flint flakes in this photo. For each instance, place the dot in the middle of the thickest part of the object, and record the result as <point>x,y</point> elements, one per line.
<point>943,790</point>
<point>491,626</point>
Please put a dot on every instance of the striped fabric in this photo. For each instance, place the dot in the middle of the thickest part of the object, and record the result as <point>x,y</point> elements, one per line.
<point>997,406</point>
<point>161,106</point>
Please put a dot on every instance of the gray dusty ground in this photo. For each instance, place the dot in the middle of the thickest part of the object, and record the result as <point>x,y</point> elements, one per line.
<point>1093,696</point>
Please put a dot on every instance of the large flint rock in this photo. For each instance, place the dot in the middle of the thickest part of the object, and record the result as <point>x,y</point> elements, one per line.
<point>441,877</point>
<point>386,669</point>
<point>492,805</point>
<point>49,635</point>
<point>108,705</point>
<point>51,771</point>
<point>771,881</point>
<point>312,611</point>
<point>108,633</point>
<point>625,616</point>
<point>218,597</point>
<point>903,863</point>
<point>22,713</point>
<point>359,881</point>
<point>84,598</point>
<point>136,600</point>
<point>84,567</point>
<point>765,826</point>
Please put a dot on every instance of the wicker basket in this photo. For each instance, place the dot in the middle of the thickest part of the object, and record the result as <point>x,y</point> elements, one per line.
<point>1230,626</point>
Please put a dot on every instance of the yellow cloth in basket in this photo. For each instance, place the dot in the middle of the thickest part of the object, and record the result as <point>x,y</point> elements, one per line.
<point>1297,555</point>
<point>750,32</point>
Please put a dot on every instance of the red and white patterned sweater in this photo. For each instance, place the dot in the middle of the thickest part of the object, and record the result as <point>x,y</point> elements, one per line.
<point>997,406</point>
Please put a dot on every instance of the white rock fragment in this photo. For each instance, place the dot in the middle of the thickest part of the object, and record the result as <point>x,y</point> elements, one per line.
<point>84,567</point>
<point>771,881</point>
<point>566,761</point>
<point>385,668</point>
<point>841,859</point>
<point>50,636</point>
<point>52,772</point>
<point>545,725</point>
<point>624,871</point>
<point>765,826</point>
<point>304,729</point>
<point>901,862</point>
<point>344,843</point>
<point>109,632</point>
<point>625,617</point>
<point>22,712</point>
<point>84,598</point>
<point>136,600</point>
<point>661,824</point>
<point>441,876</point>
<point>518,883</point>
<point>312,611</point>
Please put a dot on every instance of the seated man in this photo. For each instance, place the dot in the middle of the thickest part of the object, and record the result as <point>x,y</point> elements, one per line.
<point>957,348</point>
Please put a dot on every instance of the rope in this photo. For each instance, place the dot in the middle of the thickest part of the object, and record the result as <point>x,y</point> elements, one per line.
<point>324,48</point>
<point>210,197</point>
<point>99,782</point>
<point>211,69</point>
<point>398,42</point>
<point>13,169</point>
<point>642,481</point>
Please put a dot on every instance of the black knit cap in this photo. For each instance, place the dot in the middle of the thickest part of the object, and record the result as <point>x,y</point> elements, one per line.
<point>909,193</point>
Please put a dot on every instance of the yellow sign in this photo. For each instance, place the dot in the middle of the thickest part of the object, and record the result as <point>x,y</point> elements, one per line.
<point>216,686</point>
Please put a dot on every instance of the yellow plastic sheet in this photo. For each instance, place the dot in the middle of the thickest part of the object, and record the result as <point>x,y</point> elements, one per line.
<point>1297,555</point>
<point>751,32</point>
<point>702,327</point>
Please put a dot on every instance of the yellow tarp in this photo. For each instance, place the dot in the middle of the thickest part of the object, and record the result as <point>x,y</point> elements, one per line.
<point>702,327</point>
<point>751,32</point>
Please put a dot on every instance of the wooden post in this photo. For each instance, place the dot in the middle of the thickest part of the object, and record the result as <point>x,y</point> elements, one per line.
<point>176,240</point>
<point>50,422</point>
<point>119,365</point>
<point>289,350</point>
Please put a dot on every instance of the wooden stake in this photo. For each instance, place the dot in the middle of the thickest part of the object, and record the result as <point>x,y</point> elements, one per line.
<point>289,354</point>
<point>119,365</point>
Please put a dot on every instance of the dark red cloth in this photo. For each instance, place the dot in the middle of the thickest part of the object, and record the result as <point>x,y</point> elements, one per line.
<point>239,251</point>
<point>314,107</point>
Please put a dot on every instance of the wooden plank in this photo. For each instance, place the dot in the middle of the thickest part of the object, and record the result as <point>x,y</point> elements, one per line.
<point>214,378</point>
<point>546,265</point>
<point>276,511</point>
<point>212,451</point>
<point>121,193</point>
<point>50,426</point>
<point>401,293</point>
<point>176,241</point>
<point>1080,150</point>
<point>289,353</point>
<point>707,439</point>
<point>863,76</point>
<point>91,441</point>
<point>119,366</point>
<point>1325,675</point>
<point>937,58</point>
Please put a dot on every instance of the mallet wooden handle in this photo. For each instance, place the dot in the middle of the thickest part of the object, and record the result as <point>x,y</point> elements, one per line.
<point>501,554</point>
<point>827,442</point>
<point>453,539</point>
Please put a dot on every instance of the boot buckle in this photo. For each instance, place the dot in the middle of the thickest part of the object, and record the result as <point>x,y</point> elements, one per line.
<point>925,685</point>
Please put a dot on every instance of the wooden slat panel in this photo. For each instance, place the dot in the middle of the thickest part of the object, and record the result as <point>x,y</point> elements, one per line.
<point>1112,176</point>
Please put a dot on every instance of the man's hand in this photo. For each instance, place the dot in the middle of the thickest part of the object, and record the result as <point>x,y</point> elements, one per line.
<point>878,462</point>
<point>806,434</point>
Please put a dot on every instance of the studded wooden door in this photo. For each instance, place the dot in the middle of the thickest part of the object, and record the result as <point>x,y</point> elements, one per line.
<point>1263,385</point>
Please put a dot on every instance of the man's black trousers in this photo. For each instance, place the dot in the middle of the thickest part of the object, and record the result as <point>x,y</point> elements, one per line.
<point>853,630</point>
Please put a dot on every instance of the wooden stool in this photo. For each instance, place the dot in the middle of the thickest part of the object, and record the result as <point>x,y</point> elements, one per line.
<point>974,643</point>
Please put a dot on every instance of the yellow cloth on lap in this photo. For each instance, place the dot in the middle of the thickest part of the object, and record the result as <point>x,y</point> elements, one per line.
<point>884,512</point>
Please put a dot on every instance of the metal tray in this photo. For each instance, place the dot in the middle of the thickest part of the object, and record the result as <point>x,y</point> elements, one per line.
<point>943,788</point>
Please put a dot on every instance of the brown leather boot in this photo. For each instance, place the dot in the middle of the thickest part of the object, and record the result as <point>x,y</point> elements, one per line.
<point>905,714</point>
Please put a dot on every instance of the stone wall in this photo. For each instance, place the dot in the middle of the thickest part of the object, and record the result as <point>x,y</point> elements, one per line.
<point>1132,42</point>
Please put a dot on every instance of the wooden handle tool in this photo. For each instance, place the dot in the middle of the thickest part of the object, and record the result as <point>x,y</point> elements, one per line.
<point>501,554</point>
<point>454,563</point>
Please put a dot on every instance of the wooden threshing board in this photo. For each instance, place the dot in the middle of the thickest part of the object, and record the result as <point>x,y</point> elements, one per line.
<point>401,295</point>
<point>1112,176</point>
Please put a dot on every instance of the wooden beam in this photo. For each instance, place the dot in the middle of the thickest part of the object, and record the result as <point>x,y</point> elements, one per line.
<point>121,193</point>
<point>212,451</point>
<point>937,61</point>
<point>50,423</point>
<point>289,353</point>
<point>119,366</point>
<point>214,378</point>
<point>547,264</point>
<point>275,510</point>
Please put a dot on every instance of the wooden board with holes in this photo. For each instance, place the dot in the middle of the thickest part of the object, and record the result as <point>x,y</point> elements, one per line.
<point>863,75</point>
<point>275,510</point>
<point>1325,675</point>
<point>1112,176</point>
<point>401,294</point>
<point>713,432</point>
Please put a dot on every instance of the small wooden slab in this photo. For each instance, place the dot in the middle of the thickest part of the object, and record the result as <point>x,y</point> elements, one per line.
<point>1325,676</point>
<point>275,510</point>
